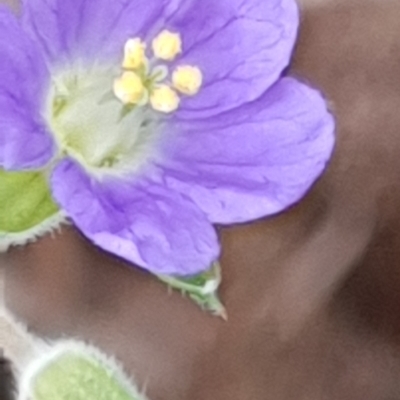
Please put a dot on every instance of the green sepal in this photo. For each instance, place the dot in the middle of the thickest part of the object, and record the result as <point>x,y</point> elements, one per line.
<point>75,371</point>
<point>202,289</point>
<point>25,201</point>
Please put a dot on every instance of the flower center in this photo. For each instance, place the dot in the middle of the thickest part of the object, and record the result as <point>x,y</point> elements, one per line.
<point>108,118</point>
<point>90,125</point>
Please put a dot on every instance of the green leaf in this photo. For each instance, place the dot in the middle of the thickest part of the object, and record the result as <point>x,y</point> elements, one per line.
<point>202,289</point>
<point>25,201</point>
<point>75,371</point>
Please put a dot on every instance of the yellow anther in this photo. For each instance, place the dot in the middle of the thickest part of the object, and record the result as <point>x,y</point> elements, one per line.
<point>164,99</point>
<point>134,54</point>
<point>167,45</point>
<point>129,88</point>
<point>187,79</point>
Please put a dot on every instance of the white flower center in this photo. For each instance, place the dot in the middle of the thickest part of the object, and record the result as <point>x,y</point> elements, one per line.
<point>108,118</point>
<point>92,126</point>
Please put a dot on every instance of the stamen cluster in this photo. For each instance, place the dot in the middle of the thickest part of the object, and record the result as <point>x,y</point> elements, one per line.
<point>146,81</point>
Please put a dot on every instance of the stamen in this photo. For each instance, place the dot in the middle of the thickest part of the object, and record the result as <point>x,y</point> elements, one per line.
<point>159,73</point>
<point>164,99</point>
<point>167,45</point>
<point>134,54</point>
<point>144,81</point>
<point>129,88</point>
<point>187,79</point>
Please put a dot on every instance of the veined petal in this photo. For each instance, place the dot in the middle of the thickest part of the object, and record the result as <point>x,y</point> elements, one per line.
<point>144,223</point>
<point>255,161</point>
<point>241,47</point>
<point>24,142</point>
<point>91,28</point>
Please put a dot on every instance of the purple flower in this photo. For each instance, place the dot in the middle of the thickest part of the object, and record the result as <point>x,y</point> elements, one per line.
<point>157,118</point>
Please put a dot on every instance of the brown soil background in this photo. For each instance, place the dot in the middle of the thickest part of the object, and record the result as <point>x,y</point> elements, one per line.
<point>313,295</point>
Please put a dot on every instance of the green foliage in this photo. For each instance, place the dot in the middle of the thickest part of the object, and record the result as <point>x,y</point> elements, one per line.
<point>25,201</point>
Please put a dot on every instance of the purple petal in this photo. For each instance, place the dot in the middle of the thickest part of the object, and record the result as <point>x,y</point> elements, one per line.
<point>144,223</point>
<point>255,161</point>
<point>24,142</point>
<point>91,28</point>
<point>241,46</point>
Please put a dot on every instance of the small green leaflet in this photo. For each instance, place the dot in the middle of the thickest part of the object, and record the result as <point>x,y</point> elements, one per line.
<point>25,201</point>
<point>202,289</point>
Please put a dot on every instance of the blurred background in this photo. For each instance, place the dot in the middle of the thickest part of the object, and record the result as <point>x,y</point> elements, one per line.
<point>313,295</point>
